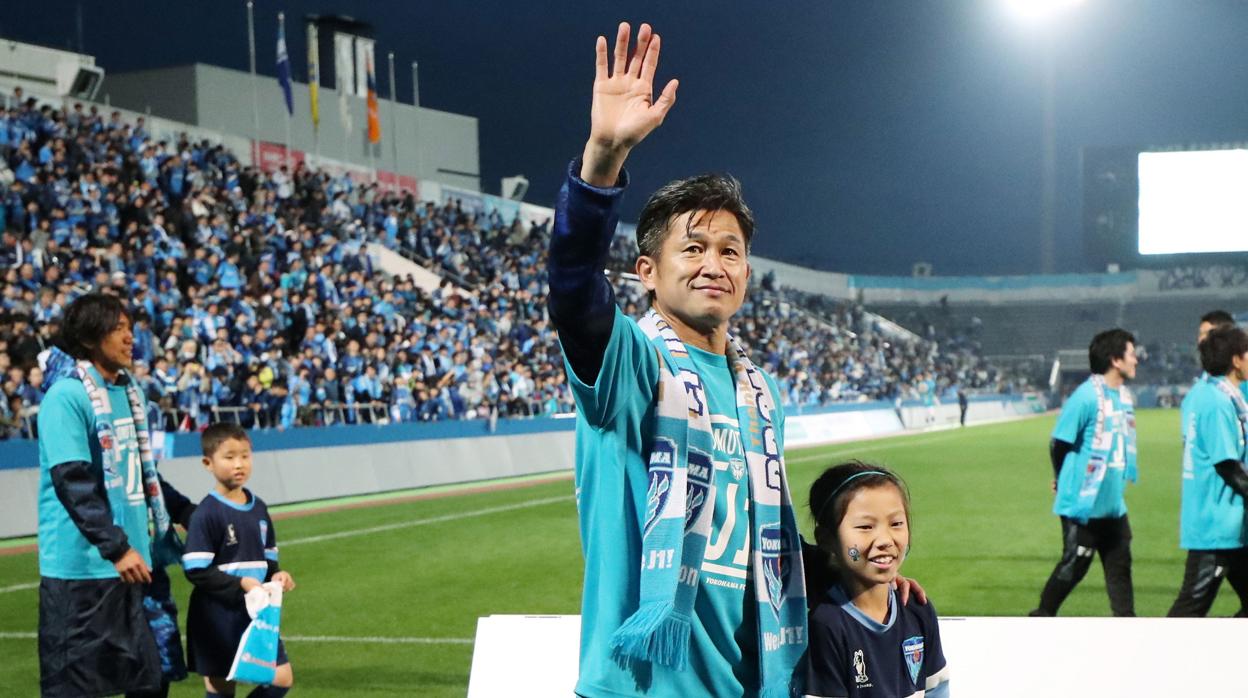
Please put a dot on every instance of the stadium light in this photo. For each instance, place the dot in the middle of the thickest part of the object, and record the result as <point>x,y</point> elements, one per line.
<point>1039,10</point>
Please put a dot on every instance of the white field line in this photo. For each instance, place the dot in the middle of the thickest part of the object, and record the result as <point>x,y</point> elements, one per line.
<point>19,587</point>
<point>423,522</point>
<point>324,638</point>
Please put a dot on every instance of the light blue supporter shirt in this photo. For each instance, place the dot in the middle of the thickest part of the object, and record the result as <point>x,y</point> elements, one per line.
<point>1211,516</point>
<point>1077,425</point>
<point>615,418</point>
<point>67,434</point>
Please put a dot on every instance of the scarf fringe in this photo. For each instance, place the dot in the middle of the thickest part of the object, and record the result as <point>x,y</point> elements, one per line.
<point>655,633</point>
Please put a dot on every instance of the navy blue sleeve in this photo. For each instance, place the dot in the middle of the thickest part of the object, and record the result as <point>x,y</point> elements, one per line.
<point>79,491</point>
<point>270,545</point>
<point>582,302</point>
<point>935,669</point>
<point>179,506</point>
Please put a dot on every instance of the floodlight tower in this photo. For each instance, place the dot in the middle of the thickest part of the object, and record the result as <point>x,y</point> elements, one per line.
<point>1043,16</point>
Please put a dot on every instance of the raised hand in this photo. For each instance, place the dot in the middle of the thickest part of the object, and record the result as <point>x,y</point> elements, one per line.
<point>624,110</point>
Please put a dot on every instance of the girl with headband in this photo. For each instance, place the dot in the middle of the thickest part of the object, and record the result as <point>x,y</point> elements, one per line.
<point>863,641</point>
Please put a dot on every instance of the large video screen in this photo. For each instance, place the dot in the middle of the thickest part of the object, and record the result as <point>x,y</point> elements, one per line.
<point>1193,201</point>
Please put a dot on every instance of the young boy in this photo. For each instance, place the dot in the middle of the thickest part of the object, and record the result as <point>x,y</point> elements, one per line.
<point>231,548</point>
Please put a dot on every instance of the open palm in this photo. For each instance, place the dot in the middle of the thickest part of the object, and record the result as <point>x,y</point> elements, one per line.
<point>624,109</point>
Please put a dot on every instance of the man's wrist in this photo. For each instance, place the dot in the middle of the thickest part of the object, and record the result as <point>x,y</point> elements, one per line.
<point>115,554</point>
<point>601,164</point>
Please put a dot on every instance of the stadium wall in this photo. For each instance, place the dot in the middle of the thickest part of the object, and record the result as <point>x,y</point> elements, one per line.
<point>426,143</point>
<point>312,463</point>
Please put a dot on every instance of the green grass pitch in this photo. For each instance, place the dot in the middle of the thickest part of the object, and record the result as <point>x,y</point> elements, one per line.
<point>984,542</point>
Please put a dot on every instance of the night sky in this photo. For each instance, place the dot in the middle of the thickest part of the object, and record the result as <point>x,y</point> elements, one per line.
<point>868,135</point>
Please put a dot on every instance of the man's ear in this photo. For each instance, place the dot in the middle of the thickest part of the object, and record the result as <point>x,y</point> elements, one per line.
<point>647,271</point>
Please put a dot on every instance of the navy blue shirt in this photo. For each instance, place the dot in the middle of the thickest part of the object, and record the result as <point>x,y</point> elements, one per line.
<point>854,656</point>
<point>237,539</point>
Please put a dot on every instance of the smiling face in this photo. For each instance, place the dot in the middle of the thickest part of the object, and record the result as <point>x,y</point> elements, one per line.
<point>700,275</point>
<point>877,527</point>
<point>1127,364</point>
<point>116,350</point>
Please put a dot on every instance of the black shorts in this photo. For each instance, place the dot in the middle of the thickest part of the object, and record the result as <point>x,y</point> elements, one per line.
<point>94,639</point>
<point>213,629</point>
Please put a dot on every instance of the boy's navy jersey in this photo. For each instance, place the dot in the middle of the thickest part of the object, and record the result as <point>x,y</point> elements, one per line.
<point>854,656</point>
<point>237,540</point>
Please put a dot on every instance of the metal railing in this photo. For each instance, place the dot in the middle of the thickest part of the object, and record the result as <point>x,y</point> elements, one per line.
<point>310,415</point>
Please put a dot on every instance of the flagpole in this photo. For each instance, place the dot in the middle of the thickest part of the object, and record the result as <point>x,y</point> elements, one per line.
<point>281,31</point>
<point>394,137</point>
<point>416,116</point>
<point>255,91</point>
<point>314,85</point>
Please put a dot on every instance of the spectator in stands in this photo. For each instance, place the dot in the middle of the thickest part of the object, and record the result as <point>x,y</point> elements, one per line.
<point>191,237</point>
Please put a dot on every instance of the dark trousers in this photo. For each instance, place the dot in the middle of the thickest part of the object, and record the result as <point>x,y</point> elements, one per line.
<point>94,640</point>
<point>1203,575</point>
<point>1111,539</point>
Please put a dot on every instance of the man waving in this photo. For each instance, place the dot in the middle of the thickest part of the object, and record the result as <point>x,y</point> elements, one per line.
<point>693,570</point>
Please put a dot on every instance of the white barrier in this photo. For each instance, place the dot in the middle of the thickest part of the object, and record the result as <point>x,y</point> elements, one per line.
<point>520,656</point>
<point>828,427</point>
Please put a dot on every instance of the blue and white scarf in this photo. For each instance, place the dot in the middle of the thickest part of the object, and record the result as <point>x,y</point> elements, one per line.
<point>1223,384</point>
<point>166,546</point>
<point>681,507</point>
<point>1103,444</point>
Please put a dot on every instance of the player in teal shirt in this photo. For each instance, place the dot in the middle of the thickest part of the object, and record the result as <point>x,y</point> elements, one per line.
<point>64,552</point>
<point>107,621</point>
<point>1215,482</point>
<point>1090,476</point>
<point>697,279</point>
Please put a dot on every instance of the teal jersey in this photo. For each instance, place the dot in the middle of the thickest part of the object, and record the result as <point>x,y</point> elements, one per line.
<point>1077,425</point>
<point>929,392</point>
<point>615,419</point>
<point>67,434</point>
<point>1211,516</point>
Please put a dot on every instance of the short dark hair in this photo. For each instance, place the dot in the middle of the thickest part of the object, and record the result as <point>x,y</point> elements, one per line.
<point>707,192</point>
<point>88,320</point>
<point>1222,344</point>
<point>1217,317</point>
<point>219,433</point>
<point>1107,346</point>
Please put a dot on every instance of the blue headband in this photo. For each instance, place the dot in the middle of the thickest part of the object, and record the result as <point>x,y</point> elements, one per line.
<point>846,481</point>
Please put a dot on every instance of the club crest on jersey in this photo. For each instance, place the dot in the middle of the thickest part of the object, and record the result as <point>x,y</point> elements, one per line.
<point>698,485</point>
<point>230,538</point>
<point>912,650</point>
<point>659,471</point>
<point>774,548</point>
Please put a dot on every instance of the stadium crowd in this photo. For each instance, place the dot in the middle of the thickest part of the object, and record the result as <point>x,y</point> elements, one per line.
<point>255,299</point>
<point>1205,276</point>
